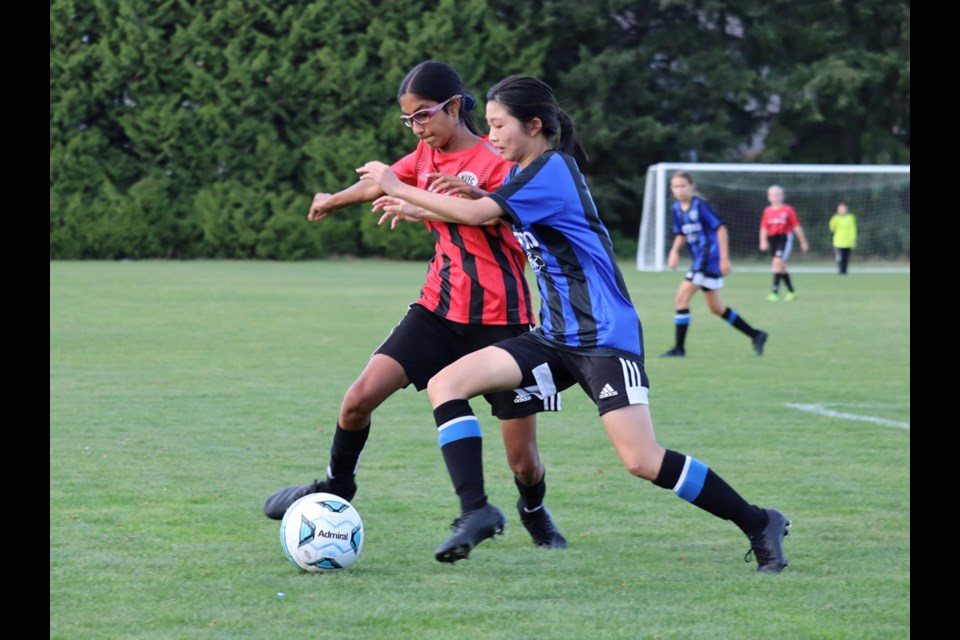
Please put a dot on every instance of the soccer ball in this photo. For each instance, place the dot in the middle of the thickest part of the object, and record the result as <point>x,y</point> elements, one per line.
<point>321,532</point>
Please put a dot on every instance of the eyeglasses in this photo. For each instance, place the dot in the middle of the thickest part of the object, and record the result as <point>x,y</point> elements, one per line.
<point>423,116</point>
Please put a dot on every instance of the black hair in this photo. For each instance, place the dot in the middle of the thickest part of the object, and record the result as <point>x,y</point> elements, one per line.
<point>526,98</point>
<point>438,81</point>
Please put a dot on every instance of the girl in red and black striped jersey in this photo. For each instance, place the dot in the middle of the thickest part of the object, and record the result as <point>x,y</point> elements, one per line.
<point>778,226</point>
<point>475,294</point>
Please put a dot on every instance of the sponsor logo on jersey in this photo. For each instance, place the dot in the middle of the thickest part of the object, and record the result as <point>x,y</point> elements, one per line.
<point>469,177</point>
<point>528,242</point>
<point>536,262</point>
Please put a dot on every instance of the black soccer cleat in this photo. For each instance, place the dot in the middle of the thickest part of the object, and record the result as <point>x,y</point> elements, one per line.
<point>277,504</point>
<point>676,352</point>
<point>469,530</point>
<point>758,341</point>
<point>540,525</point>
<point>767,545</point>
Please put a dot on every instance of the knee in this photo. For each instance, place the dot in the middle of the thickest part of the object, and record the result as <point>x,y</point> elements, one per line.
<point>528,475</point>
<point>356,407</point>
<point>447,386</point>
<point>436,391</point>
<point>526,468</point>
<point>641,468</point>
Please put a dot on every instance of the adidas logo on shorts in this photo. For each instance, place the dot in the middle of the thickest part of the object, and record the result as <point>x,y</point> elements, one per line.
<point>607,392</point>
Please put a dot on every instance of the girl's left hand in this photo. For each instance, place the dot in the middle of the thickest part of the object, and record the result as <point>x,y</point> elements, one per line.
<point>397,209</point>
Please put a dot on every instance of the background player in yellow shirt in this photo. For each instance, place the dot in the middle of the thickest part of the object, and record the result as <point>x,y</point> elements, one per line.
<point>843,226</point>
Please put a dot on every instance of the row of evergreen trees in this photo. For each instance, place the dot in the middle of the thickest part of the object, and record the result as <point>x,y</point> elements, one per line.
<point>183,129</point>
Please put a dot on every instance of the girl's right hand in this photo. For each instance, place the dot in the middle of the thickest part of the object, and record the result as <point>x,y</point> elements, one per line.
<point>673,260</point>
<point>453,185</point>
<point>318,208</point>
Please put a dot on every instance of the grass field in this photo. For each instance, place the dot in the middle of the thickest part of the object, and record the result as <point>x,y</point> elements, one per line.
<point>183,393</point>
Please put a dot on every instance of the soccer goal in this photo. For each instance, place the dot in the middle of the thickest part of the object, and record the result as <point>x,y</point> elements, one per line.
<point>878,195</point>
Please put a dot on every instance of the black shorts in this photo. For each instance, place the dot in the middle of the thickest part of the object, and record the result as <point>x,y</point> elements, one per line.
<point>781,245</point>
<point>612,380</point>
<point>424,343</point>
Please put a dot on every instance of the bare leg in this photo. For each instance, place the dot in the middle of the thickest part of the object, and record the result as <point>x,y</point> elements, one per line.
<point>520,442</point>
<point>381,378</point>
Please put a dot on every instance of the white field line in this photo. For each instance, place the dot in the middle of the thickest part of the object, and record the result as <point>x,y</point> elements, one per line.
<point>823,410</point>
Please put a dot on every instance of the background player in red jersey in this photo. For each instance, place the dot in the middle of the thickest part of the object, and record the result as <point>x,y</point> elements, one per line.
<point>475,294</point>
<point>778,226</point>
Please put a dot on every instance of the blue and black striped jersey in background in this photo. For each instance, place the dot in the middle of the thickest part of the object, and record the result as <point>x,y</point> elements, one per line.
<point>699,225</point>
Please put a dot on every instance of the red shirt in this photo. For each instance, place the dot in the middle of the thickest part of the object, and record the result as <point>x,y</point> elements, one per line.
<point>779,221</point>
<point>477,273</point>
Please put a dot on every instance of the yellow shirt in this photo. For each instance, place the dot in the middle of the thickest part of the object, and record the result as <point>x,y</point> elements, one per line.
<point>844,229</point>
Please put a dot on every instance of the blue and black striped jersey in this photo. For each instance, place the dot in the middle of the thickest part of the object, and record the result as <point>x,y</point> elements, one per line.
<point>584,300</point>
<point>699,225</point>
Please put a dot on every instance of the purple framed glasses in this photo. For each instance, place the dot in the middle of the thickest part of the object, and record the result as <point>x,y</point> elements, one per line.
<point>423,116</point>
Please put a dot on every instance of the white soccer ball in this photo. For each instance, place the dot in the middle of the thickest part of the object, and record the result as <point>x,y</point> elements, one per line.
<point>321,532</point>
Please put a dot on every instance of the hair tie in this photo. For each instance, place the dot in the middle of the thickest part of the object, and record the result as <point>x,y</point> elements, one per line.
<point>469,102</point>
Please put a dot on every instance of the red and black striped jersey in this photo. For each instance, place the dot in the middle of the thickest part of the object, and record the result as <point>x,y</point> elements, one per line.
<point>476,275</point>
<point>779,221</point>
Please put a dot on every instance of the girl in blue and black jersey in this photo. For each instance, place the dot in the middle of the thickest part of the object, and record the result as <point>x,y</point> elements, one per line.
<point>696,225</point>
<point>589,332</point>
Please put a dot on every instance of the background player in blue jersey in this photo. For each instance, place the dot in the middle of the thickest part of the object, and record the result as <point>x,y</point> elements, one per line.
<point>589,332</point>
<point>475,294</point>
<point>697,226</point>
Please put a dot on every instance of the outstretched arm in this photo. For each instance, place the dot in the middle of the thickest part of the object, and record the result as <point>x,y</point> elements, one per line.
<point>326,203</point>
<point>458,210</point>
<point>398,210</point>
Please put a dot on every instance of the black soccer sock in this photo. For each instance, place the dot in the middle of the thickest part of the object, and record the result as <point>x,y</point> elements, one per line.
<point>532,496</point>
<point>732,317</point>
<point>776,283</point>
<point>462,447</point>
<point>681,322</point>
<point>786,280</point>
<point>345,455</point>
<point>699,485</point>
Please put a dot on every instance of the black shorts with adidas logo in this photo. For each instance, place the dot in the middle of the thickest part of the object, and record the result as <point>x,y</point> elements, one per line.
<point>613,379</point>
<point>424,343</point>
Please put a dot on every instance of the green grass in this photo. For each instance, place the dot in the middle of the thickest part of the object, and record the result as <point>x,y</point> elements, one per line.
<point>183,393</point>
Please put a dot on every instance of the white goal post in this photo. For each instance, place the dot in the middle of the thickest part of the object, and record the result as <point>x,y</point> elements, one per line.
<point>878,195</point>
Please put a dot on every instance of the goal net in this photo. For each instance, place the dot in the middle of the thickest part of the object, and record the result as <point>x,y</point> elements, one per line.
<point>878,195</point>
